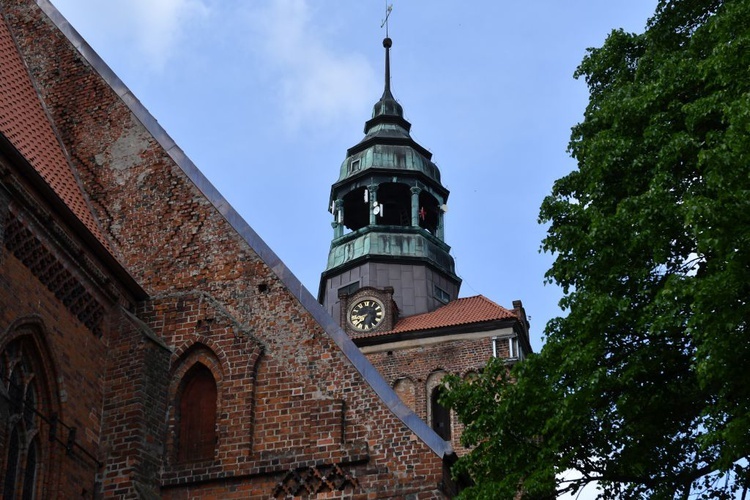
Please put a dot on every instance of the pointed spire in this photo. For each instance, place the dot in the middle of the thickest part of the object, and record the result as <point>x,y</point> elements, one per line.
<point>387,104</point>
<point>387,42</point>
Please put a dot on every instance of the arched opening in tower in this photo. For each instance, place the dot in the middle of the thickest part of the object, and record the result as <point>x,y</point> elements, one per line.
<point>395,202</point>
<point>429,212</point>
<point>356,209</point>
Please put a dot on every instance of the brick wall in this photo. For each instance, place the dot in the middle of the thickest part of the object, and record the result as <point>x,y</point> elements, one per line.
<point>415,371</point>
<point>133,430</point>
<point>73,358</point>
<point>290,404</point>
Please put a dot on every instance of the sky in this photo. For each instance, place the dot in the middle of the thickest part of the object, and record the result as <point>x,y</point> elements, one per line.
<point>265,96</point>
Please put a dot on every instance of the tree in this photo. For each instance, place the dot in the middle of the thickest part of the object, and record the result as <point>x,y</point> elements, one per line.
<point>644,386</point>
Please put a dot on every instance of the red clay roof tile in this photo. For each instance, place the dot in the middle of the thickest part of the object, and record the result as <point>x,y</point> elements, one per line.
<point>25,123</point>
<point>465,311</point>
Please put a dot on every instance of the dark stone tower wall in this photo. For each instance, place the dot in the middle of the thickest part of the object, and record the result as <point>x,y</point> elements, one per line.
<point>414,285</point>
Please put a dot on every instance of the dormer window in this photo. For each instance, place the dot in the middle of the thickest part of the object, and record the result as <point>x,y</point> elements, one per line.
<point>354,165</point>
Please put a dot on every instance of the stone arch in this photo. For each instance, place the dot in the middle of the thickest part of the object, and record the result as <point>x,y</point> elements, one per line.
<point>236,380</point>
<point>29,404</point>
<point>192,347</point>
<point>195,372</point>
<point>435,378</point>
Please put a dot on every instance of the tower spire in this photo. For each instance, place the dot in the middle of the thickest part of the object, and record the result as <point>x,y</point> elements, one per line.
<point>387,105</point>
<point>387,215</point>
<point>387,44</point>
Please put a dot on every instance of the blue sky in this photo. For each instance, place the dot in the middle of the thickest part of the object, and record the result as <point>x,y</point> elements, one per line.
<point>265,96</point>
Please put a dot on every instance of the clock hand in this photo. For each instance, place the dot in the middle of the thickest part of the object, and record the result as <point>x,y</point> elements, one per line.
<point>356,318</point>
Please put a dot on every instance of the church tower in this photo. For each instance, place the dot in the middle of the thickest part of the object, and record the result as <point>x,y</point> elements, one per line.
<point>388,246</point>
<point>390,281</point>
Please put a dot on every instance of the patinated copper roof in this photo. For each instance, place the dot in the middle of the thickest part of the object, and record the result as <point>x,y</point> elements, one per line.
<point>465,311</point>
<point>387,143</point>
<point>26,124</point>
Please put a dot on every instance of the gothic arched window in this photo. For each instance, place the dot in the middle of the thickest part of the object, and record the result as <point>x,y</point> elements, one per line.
<point>197,416</point>
<point>20,389</point>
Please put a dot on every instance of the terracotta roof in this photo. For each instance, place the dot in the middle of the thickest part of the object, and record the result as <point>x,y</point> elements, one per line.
<point>465,311</point>
<point>25,123</point>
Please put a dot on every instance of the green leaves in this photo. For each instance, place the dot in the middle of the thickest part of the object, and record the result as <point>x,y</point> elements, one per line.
<point>643,385</point>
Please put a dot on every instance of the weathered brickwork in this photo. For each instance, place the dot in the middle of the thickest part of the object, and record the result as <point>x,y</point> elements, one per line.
<point>290,406</point>
<point>73,358</point>
<point>25,246</point>
<point>416,371</point>
<point>134,406</point>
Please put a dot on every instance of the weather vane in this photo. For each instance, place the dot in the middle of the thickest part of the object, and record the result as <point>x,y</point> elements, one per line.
<point>388,9</point>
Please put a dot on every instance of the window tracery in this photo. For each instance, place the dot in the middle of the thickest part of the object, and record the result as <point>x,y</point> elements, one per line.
<point>21,420</point>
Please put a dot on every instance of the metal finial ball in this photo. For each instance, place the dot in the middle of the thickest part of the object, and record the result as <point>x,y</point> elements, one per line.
<point>387,43</point>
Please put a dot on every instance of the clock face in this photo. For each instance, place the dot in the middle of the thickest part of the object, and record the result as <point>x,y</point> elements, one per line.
<point>366,314</point>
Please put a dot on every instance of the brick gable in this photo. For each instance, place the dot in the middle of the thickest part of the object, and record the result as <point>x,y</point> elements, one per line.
<point>296,399</point>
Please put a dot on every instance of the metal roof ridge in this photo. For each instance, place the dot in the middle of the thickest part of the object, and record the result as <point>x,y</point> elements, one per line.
<point>368,372</point>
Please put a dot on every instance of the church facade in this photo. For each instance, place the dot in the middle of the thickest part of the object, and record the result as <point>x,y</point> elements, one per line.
<point>151,344</point>
<point>390,280</point>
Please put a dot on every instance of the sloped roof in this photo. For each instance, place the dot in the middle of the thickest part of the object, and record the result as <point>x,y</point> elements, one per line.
<point>26,124</point>
<point>465,311</point>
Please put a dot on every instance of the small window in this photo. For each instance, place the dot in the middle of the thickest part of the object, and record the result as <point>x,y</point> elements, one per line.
<point>506,347</point>
<point>197,427</point>
<point>513,348</point>
<point>348,289</point>
<point>441,416</point>
<point>354,165</point>
<point>442,295</point>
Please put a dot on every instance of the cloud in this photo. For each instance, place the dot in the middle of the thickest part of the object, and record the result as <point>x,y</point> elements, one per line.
<point>150,29</point>
<point>161,24</point>
<point>319,85</point>
<point>315,81</point>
